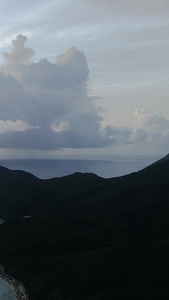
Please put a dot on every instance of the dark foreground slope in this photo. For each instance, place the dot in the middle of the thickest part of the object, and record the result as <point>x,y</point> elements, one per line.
<point>88,238</point>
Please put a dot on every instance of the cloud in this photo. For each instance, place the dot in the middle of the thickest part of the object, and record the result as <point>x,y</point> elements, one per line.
<point>63,126</point>
<point>47,105</point>
<point>152,120</point>
<point>14,126</point>
<point>135,6</point>
<point>20,56</point>
<point>153,128</point>
<point>118,134</point>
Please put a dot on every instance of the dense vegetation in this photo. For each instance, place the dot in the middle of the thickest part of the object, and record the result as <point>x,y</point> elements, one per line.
<point>88,238</point>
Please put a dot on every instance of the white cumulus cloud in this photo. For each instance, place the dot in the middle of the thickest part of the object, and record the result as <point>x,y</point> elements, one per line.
<point>63,126</point>
<point>14,126</point>
<point>47,106</point>
<point>53,97</point>
<point>153,128</point>
<point>19,56</point>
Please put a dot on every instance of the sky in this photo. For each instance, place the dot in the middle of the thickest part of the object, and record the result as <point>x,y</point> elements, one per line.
<point>84,78</point>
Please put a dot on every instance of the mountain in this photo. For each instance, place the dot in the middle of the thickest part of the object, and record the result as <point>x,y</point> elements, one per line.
<point>163,159</point>
<point>87,237</point>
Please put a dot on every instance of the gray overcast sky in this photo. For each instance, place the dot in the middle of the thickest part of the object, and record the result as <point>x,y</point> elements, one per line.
<point>83,77</point>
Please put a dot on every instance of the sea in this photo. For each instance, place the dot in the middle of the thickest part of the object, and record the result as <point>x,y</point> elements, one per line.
<point>6,291</point>
<point>113,166</point>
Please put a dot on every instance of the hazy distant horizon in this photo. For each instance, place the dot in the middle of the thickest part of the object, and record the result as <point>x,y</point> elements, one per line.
<point>113,166</point>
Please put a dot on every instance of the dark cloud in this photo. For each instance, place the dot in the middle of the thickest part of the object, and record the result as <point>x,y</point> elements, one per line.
<point>118,134</point>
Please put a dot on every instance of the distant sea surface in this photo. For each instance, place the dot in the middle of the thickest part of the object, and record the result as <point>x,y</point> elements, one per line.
<point>114,166</point>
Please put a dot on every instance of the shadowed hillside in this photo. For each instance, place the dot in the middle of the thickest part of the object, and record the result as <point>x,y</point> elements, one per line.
<point>88,237</point>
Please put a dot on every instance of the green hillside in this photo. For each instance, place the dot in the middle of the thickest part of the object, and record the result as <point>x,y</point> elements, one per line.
<point>88,237</point>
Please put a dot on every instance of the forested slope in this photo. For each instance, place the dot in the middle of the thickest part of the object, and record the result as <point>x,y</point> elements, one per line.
<point>88,237</point>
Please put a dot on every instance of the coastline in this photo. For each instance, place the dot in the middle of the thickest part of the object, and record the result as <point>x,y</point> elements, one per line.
<point>18,287</point>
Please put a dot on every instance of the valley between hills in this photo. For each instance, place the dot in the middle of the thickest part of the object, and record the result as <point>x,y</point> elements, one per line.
<point>87,237</point>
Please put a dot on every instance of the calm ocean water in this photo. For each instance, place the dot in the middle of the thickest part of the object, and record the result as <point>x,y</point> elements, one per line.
<point>6,291</point>
<point>113,167</point>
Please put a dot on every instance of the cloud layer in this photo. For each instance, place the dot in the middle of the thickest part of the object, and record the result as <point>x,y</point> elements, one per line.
<point>47,105</point>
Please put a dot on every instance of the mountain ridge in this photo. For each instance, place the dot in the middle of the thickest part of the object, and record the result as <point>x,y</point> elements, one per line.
<point>88,237</point>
